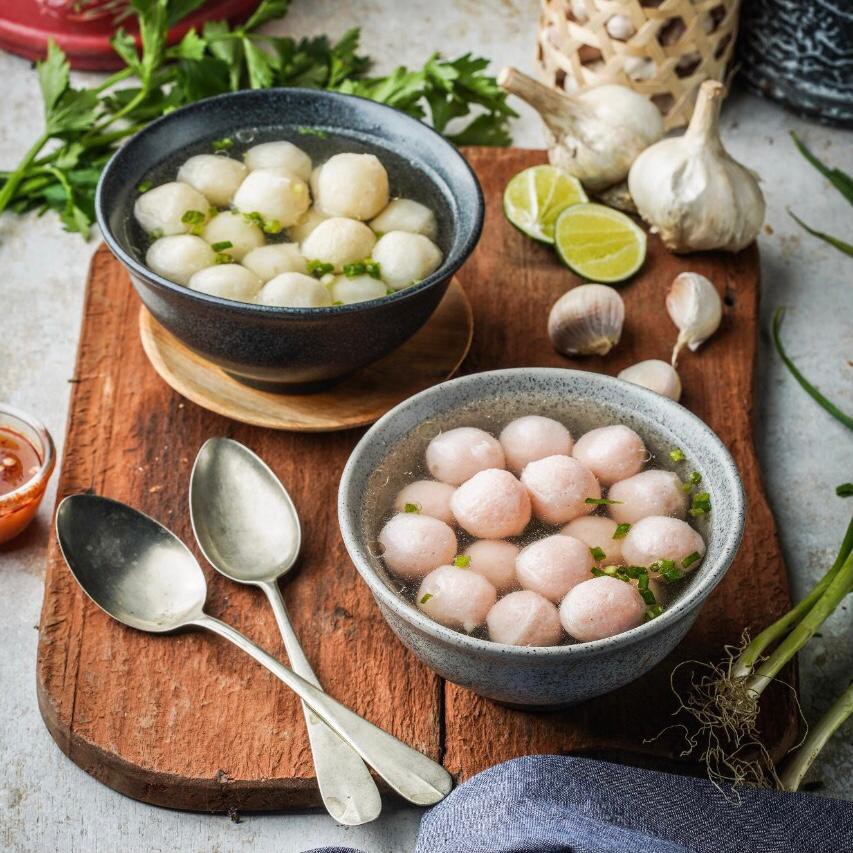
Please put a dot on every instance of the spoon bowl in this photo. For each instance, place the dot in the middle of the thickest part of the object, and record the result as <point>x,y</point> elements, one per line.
<point>129,565</point>
<point>243,518</point>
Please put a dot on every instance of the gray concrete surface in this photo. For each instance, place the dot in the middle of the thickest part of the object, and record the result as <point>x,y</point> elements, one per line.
<point>47,803</point>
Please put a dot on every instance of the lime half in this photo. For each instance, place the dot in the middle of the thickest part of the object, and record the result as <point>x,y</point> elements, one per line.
<point>599,243</point>
<point>534,198</point>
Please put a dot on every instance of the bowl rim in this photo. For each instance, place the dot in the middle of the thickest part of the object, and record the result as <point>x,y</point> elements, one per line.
<point>448,268</point>
<point>680,609</point>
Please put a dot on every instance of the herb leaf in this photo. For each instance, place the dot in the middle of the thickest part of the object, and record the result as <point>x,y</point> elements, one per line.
<point>847,248</point>
<point>840,180</point>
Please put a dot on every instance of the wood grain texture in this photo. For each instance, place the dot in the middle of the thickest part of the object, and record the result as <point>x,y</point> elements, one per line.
<point>189,722</point>
<point>431,356</point>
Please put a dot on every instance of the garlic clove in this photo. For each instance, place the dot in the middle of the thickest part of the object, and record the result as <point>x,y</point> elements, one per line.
<point>696,309</point>
<point>594,135</point>
<point>656,375</point>
<point>587,320</point>
<point>692,192</point>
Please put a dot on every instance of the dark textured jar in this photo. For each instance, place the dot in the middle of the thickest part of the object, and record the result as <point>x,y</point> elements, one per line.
<point>800,54</point>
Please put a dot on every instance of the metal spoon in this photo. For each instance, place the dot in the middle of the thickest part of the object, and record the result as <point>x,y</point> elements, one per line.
<point>247,528</point>
<point>142,575</point>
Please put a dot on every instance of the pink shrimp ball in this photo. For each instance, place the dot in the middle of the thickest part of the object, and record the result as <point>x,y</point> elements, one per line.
<point>659,537</point>
<point>553,565</point>
<point>456,597</point>
<point>492,504</point>
<point>415,544</point>
<point>494,559</point>
<point>458,454</point>
<point>533,437</point>
<point>559,486</point>
<point>524,618</point>
<point>430,497</point>
<point>652,492</point>
<point>612,453</point>
<point>601,607</point>
<point>595,531</point>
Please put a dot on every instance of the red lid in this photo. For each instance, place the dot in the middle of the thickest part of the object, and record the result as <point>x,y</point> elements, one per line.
<point>83,28</point>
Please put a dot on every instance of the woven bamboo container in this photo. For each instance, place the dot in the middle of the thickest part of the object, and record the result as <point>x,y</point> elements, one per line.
<point>661,48</point>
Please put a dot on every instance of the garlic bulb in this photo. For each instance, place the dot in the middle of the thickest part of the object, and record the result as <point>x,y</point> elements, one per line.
<point>594,135</point>
<point>587,320</point>
<point>692,192</point>
<point>656,375</point>
<point>695,307</point>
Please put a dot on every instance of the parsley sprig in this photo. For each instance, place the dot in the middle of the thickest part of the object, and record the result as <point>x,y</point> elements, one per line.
<point>83,127</point>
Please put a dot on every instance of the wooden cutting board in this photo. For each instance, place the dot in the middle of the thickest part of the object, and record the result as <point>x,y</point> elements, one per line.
<point>190,722</point>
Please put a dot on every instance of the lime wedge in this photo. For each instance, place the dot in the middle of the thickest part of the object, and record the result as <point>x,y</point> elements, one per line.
<point>535,197</point>
<point>599,243</point>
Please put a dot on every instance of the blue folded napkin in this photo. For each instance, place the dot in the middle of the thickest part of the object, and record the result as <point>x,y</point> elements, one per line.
<point>557,804</point>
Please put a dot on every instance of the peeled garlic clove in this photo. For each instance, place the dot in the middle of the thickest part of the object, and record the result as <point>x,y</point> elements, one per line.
<point>656,375</point>
<point>594,135</point>
<point>692,192</point>
<point>587,320</point>
<point>696,309</point>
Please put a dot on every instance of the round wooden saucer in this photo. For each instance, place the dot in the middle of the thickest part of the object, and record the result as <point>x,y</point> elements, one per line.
<point>432,355</point>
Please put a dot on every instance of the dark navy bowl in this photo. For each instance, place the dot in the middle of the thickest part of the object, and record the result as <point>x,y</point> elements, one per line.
<point>295,348</point>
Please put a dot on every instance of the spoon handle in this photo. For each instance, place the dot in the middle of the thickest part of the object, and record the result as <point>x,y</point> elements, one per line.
<point>413,776</point>
<point>346,786</point>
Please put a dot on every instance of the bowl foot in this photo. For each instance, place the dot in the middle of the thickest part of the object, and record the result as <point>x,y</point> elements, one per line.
<point>273,387</point>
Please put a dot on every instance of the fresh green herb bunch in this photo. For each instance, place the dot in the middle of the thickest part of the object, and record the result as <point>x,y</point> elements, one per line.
<point>83,127</point>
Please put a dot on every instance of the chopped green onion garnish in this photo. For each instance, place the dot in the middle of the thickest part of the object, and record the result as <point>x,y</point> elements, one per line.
<point>411,508</point>
<point>462,561</point>
<point>372,268</point>
<point>156,234</point>
<point>671,575</point>
<point>621,531</point>
<point>223,258</point>
<point>222,246</point>
<point>597,554</point>
<point>144,186</point>
<point>312,131</point>
<point>337,302</point>
<point>596,572</point>
<point>845,490</point>
<point>643,581</point>
<point>690,559</point>
<point>634,571</point>
<point>676,454</point>
<point>701,504</point>
<point>648,596</point>
<point>695,478</point>
<point>653,612</point>
<point>194,220</point>
<point>319,268</point>
<point>354,269</point>
<point>222,144</point>
<point>254,218</point>
<point>610,570</point>
<point>426,597</point>
<point>601,502</point>
<point>687,487</point>
<point>272,227</point>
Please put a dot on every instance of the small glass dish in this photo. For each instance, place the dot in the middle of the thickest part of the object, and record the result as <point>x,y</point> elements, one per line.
<point>19,506</point>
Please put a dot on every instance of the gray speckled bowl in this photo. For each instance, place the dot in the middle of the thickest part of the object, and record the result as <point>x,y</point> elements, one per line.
<point>560,675</point>
<point>297,348</point>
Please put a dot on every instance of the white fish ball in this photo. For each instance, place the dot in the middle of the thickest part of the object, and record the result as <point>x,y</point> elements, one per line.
<point>559,487</point>
<point>430,497</point>
<point>214,176</point>
<point>414,544</point>
<point>161,210</point>
<point>179,257</point>
<point>612,453</point>
<point>280,198</point>
<point>491,505</point>
<point>352,185</point>
<point>601,607</point>
<point>314,183</point>
<point>294,290</point>
<point>267,262</point>
<point>279,155</point>
<point>230,281</point>
<point>307,223</point>
<point>228,227</point>
<point>595,531</point>
<point>494,559</point>
<point>458,454</point>
<point>553,565</point>
<point>339,241</point>
<point>456,598</point>
<point>406,258</point>
<point>404,214</point>
<point>524,618</point>
<point>359,288</point>
<point>533,437</point>
<point>659,537</point>
<point>652,492</point>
